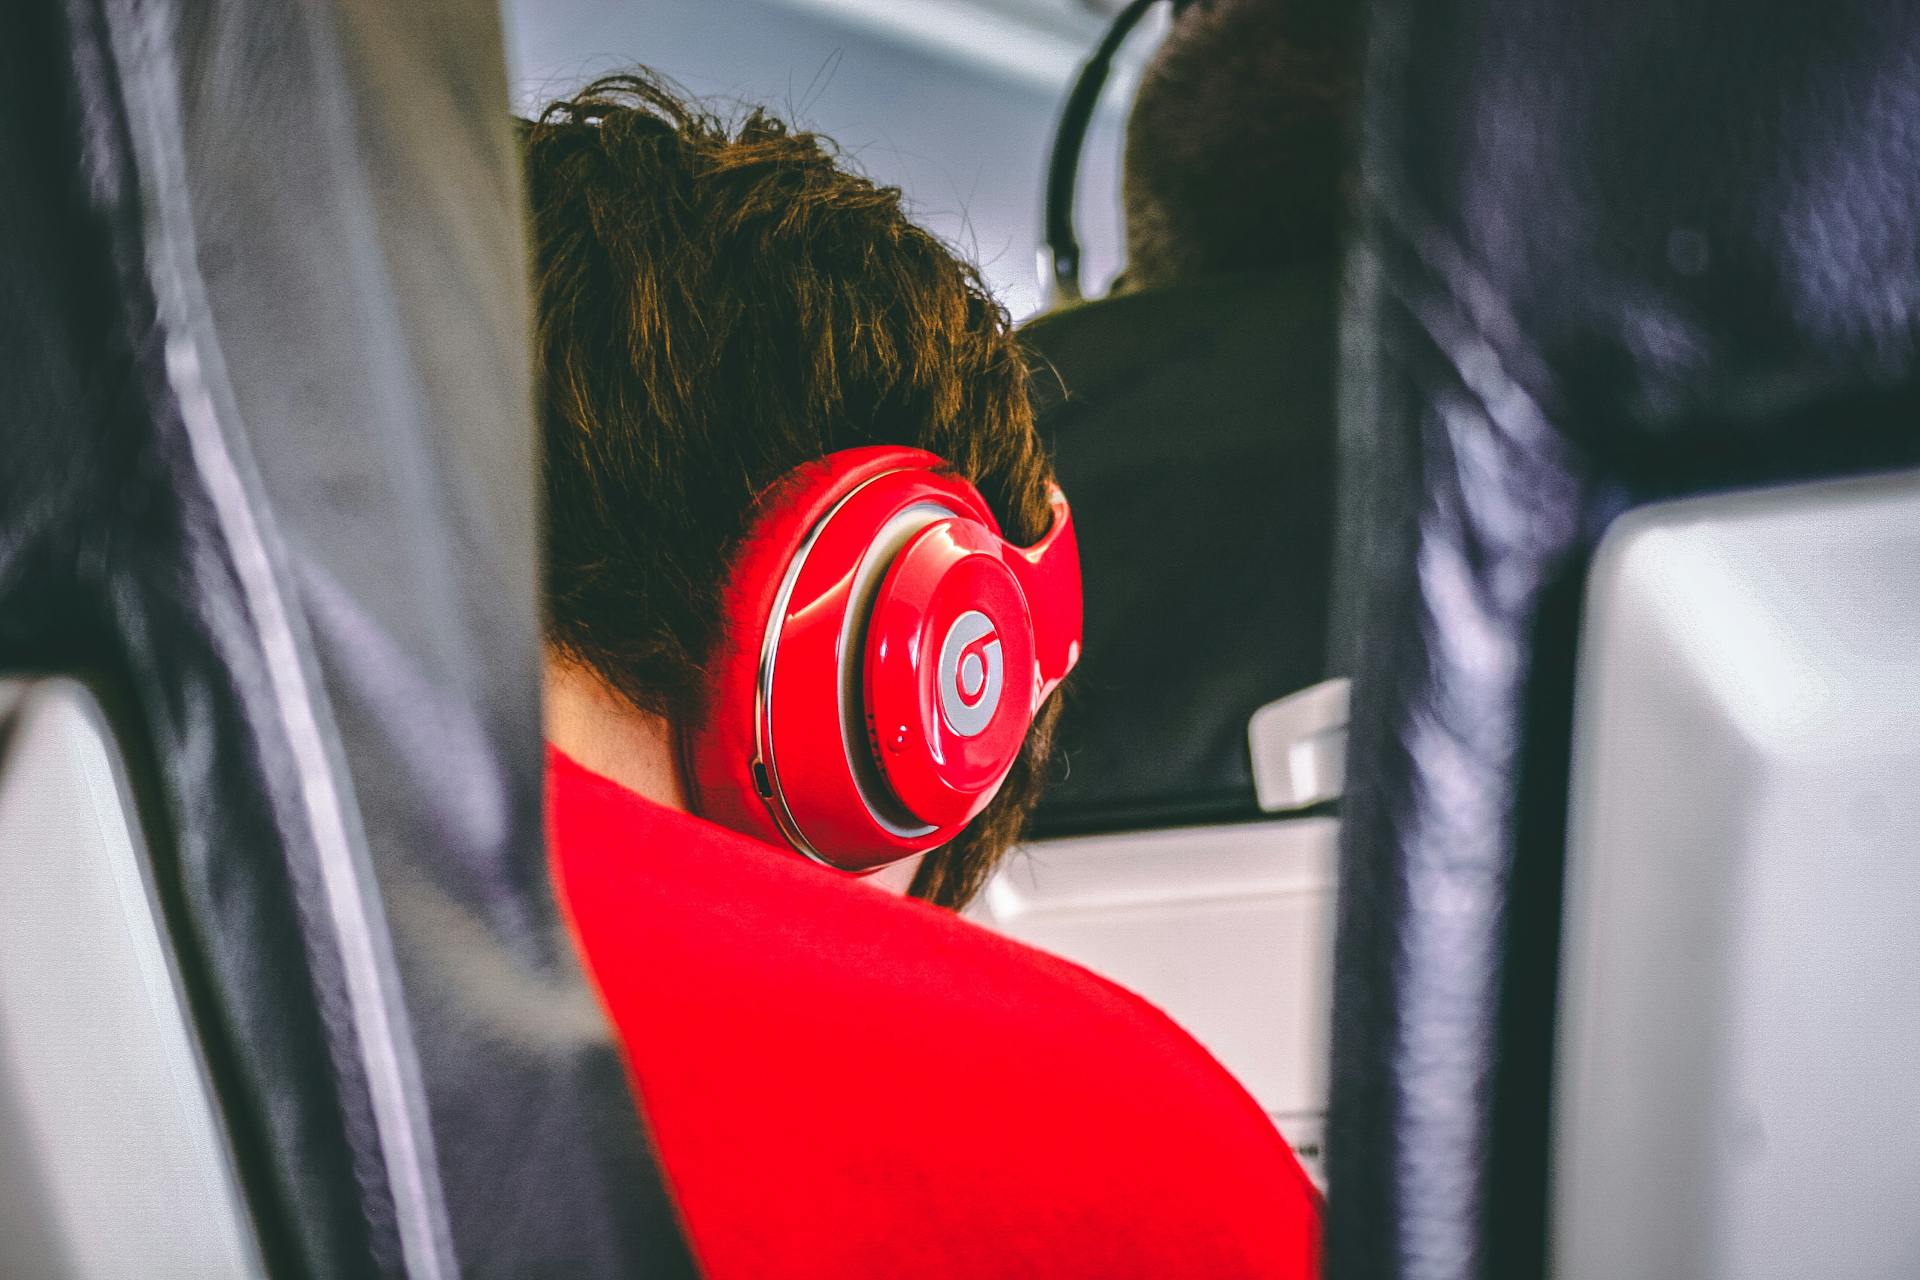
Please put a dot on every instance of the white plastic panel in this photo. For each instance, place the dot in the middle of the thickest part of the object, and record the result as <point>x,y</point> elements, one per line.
<point>1299,747</point>
<point>1228,929</point>
<point>112,1160</point>
<point>1738,1095</point>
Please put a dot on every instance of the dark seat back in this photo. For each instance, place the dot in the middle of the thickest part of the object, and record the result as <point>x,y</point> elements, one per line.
<point>1193,428</point>
<point>269,469</point>
<point>1612,256</point>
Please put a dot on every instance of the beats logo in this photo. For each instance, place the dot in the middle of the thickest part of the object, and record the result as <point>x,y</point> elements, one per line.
<point>885,652</point>
<point>970,674</point>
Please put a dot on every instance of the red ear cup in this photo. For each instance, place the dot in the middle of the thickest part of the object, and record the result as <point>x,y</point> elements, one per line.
<point>878,666</point>
<point>948,652</point>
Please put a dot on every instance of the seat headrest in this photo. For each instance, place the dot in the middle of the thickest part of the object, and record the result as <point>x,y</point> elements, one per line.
<point>1193,429</point>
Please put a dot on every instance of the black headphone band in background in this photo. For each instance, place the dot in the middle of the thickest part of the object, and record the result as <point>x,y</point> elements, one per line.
<point>1060,248</point>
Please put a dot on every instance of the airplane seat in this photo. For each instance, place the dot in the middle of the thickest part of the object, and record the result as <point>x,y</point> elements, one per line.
<point>283,985</point>
<point>1623,965</point>
<point>1193,427</point>
<point>1184,845</point>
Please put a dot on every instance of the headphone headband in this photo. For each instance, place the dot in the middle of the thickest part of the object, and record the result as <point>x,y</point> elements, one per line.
<point>1060,247</point>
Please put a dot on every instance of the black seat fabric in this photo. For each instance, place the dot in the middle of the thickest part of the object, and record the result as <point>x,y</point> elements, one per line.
<point>266,459</point>
<point>1610,253</point>
<point>1192,428</point>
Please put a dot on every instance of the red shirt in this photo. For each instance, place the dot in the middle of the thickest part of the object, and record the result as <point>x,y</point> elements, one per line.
<point>842,1084</point>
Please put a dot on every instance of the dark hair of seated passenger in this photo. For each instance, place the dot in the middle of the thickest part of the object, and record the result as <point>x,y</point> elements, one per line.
<point>719,302</point>
<point>1240,140</point>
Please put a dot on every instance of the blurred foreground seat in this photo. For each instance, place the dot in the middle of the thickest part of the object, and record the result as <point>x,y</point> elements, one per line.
<point>1623,976</point>
<point>284,983</point>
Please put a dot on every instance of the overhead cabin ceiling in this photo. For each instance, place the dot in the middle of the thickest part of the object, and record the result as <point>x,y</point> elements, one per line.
<point>1036,41</point>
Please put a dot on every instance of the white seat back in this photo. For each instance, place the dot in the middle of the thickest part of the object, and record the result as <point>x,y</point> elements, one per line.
<point>1736,1089</point>
<point>1228,929</point>
<point>113,1161</point>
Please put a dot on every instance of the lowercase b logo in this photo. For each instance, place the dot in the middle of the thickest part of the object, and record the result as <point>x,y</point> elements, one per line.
<point>970,673</point>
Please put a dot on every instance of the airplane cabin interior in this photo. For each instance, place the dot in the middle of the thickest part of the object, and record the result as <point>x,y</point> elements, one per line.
<point>1495,634</point>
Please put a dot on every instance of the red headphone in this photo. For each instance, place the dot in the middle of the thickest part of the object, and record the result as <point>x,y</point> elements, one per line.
<point>883,653</point>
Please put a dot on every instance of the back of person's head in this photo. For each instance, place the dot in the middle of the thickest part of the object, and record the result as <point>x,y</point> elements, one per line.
<point>719,303</point>
<point>1237,147</point>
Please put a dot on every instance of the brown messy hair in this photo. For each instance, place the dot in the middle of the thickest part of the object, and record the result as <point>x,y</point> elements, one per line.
<point>719,303</point>
<point>1240,139</point>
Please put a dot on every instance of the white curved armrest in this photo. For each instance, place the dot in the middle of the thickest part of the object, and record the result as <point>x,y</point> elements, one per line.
<point>1299,746</point>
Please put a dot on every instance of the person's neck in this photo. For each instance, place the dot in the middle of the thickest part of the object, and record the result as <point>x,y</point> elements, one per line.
<point>591,722</point>
<point>604,732</point>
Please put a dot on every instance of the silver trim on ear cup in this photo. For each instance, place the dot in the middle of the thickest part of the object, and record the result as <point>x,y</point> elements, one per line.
<point>766,770</point>
<point>885,548</point>
<point>891,538</point>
